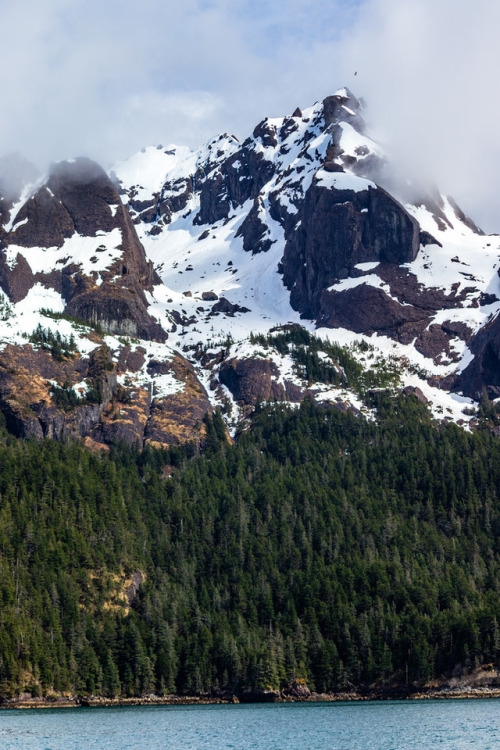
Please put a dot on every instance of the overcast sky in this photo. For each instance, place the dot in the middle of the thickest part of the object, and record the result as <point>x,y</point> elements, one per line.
<point>105,77</point>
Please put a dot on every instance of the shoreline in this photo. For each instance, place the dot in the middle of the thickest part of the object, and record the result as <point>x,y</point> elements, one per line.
<point>21,703</point>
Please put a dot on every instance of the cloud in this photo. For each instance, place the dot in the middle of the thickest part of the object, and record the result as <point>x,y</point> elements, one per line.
<point>429,71</point>
<point>104,79</point>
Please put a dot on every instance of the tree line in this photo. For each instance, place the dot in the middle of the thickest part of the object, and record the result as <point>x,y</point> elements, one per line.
<point>320,546</point>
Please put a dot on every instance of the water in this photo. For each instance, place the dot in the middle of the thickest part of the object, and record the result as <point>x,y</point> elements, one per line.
<point>457,725</point>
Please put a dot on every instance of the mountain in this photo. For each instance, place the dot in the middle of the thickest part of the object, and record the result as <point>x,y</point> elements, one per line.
<point>294,265</point>
<point>186,301</point>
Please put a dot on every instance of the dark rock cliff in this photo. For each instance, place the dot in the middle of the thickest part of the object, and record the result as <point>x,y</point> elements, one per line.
<point>252,380</point>
<point>338,229</point>
<point>119,310</point>
<point>79,198</point>
<point>239,178</point>
<point>483,373</point>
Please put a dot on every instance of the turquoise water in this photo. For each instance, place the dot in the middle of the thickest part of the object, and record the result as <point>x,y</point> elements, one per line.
<point>458,725</point>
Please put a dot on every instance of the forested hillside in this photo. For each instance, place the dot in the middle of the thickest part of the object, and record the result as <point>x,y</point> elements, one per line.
<point>319,547</point>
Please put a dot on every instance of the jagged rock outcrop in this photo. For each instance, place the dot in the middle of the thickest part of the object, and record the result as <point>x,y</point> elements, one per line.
<point>255,231</point>
<point>252,380</point>
<point>402,310</point>
<point>239,178</point>
<point>228,308</point>
<point>16,279</point>
<point>125,417</point>
<point>118,310</point>
<point>343,106</point>
<point>27,396</point>
<point>367,309</point>
<point>173,198</point>
<point>178,418</point>
<point>43,221</point>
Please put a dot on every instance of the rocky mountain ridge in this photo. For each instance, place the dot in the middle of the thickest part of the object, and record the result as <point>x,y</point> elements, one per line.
<point>184,279</point>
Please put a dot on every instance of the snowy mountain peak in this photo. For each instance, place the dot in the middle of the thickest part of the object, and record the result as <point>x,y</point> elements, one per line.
<point>178,271</point>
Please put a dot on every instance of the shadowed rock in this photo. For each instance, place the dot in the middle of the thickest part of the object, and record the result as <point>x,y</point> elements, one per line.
<point>339,229</point>
<point>484,370</point>
<point>79,198</point>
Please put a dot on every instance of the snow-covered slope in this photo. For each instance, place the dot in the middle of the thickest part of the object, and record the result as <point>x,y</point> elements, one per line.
<point>454,273</point>
<point>186,261</point>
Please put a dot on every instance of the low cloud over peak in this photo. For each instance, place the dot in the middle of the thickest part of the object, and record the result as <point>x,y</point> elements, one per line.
<point>104,79</point>
<point>428,69</point>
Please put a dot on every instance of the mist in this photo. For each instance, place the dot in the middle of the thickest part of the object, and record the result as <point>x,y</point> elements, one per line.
<point>104,79</point>
<point>429,72</point>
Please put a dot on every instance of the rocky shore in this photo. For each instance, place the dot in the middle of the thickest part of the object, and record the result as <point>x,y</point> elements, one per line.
<point>458,693</point>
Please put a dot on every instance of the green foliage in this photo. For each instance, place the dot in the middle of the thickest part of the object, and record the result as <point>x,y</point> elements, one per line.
<point>59,346</point>
<point>489,411</point>
<point>78,322</point>
<point>122,395</point>
<point>326,362</point>
<point>319,547</point>
<point>6,310</point>
<point>65,397</point>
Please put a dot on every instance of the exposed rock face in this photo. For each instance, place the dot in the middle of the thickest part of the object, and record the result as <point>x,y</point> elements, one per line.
<point>16,280</point>
<point>228,308</point>
<point>125,417</point>
<point>340,228</point>
<point>266,133</point>
<point>117,310</point>
<point>239,178</point>
<point>179,417</point>
<point>132,587</point>
<point>138,415</point>
<point>299,689</point>
<point>403,312</point>
<point>484,370</point>
<point>80,199</point>
<point>43,221</point>
<point>367,309</point>
<point>254,380</point>
<point>174,197</point>
<point>27,401</point>
<point>411,390</point>
<point>255,231</point>
<point>133,414</point>
<point>334,109</point>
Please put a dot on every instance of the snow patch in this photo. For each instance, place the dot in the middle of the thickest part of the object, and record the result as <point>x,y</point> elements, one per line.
<point>343,181</point>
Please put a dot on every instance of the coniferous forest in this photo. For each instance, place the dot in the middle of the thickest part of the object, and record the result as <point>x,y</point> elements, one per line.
<point>319,547</point>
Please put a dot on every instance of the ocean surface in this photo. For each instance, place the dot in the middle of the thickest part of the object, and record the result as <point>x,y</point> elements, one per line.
<point>454,724</point>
